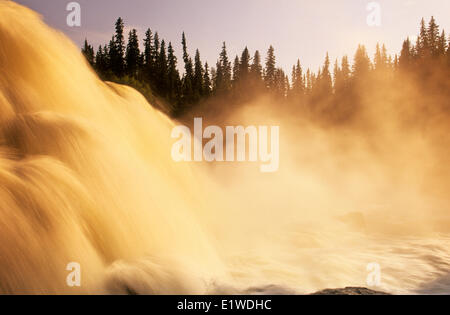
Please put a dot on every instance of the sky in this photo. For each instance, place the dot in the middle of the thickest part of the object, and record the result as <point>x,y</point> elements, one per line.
<point>298,29</point>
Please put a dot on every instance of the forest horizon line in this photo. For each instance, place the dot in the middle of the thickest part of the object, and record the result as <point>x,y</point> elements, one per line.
<point>154,71</point>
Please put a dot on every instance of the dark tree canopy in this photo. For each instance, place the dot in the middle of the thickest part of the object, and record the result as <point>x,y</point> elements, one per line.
<point>155,71</point>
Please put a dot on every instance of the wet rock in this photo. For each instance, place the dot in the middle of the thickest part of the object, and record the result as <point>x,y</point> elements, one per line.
<point>350,291</point>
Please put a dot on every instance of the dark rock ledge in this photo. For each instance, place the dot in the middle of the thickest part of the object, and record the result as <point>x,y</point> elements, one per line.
<point>350,291</point>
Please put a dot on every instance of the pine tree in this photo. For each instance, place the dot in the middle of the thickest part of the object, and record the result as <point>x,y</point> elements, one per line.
<point>188,79</point>
<point>133,54</point>
<point>342,77</point>
<point>223,72</point>
<point>118,62</point>
<point>448,52</point>
<point>148,47</point>
<point>287,86</point>
<point>270,71</point>
<point>162,68</point>
<point>217,78</point>
<point>337,76</point>
<point>88,52</point>
<point>236,71</point>
<point>256,73</point>
<point>298,86</point>
<point>207,86</point>
<point>423,45</point>
<point>361,65</point>
<point>184,44</point>
<point>149,56</point>
<point>156,51</point>
<point>442,44</point>
<point>99,60</point>
<point>256,67</point>
<point>326,83</point>
<point>395,64</point>
<point>213,80</point>
<point>280,87</point>
<point>378,60</point>
<point>244,66</point>
<point>345,68</point>
<point>112,56</point>
<point>198,76</point>
<point>405,59</point>
<point>310,80</point>
<point>385,59</point>
<point>433,37</point>
<point>173,77</point>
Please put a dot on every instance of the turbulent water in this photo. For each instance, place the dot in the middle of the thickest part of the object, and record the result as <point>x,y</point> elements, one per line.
<point>86,176</point>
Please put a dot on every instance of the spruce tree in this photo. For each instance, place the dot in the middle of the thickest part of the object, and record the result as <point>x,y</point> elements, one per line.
<point>298,86</point>
<point>88,52</point>
<point>236,71</point>
<point>378,60</point>
<point>198,76</point>
<point>133,54</point>
<point>326,81</point>
<point>213,80</point>
<point>448,52</point>
<point>188,79</point>
<point>337,75</point>
<point>423,45</point>
<point>207,85</point>
<point>118,61</point>
<point>270,71</point>
<point>149,55</point>
<point>433,37</point>
<point>173,77</point>
<point>361,64</point>
<point>99,63</point>
<point>217,78</point>
<point>224,71</point>
<point>308,83</point>
<point>405,59</point>
<point>163,78</point>
<point>256,67</point>
<point>345,68</point>
<point>442,44</point>
<point>244,66</point>
<point>342,76</point>
<point>256,72</point>
<point>385,59</point>
<point>112,56</point>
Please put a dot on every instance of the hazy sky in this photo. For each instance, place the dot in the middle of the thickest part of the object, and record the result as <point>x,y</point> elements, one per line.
<point>302,29</point>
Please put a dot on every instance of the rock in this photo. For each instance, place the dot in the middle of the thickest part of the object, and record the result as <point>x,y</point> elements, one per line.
<point>350,291</point>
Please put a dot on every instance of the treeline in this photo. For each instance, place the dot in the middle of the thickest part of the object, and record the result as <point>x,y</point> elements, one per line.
<point>155,70</point>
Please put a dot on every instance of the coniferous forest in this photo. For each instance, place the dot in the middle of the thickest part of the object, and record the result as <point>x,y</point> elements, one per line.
<point>332,91</point>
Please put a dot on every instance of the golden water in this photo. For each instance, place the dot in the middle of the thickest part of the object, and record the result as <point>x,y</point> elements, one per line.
<point>86,176</point>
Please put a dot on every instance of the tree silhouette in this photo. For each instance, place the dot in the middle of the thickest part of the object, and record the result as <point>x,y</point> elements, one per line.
<point>198,77</point>
<point>132,54</point>
<point>155,72</point>
<point>117,54</point>
<point>88,52</point>
<point>270,71</point>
